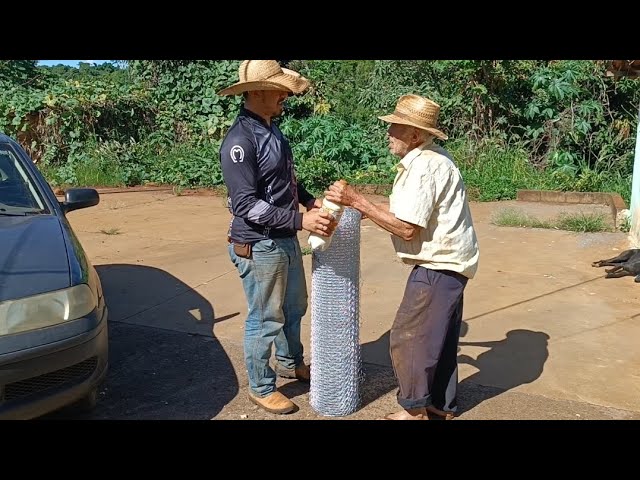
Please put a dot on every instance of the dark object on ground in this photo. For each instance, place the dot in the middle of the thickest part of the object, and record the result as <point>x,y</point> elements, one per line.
<point>627,263</point>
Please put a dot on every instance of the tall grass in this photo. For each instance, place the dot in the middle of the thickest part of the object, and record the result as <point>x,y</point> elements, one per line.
<point>107,174</point>
<point>491,170</point>
<point>494,171</point>
<point>511,217</point>
<point>580,222</point>
<point>583,222</point>
<point>114,164</point>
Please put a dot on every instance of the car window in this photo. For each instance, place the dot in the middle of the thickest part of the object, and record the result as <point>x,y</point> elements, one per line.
<point>18,194</point>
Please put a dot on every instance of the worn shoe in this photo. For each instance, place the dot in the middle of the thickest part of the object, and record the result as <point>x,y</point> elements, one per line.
<point>302,372</point>
<point>273,403</point>
<point>440,413</point>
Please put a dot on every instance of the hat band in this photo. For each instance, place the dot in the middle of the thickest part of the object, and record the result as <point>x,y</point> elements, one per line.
<point>404,116</point>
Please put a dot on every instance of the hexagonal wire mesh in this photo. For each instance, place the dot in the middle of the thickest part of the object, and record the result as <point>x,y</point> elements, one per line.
<point>336,365</point>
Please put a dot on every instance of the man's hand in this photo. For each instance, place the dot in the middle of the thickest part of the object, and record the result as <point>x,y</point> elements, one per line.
<point>313,204</point>
<point>346,195</point>
<point>342,193</point>
<point>319,222</point>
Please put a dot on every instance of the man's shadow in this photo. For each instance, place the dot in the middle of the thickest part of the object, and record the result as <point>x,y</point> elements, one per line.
<point>378,378</point>
<point>513,361</point>
<point>164,361</point>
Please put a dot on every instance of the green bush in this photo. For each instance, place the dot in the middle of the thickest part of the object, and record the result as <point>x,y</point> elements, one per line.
<point>512,124</point>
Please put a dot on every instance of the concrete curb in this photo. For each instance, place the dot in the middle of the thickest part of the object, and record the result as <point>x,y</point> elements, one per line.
<point>613,200</point>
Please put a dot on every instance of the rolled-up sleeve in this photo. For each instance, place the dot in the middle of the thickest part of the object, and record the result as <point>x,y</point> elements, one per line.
<point>415,197</point>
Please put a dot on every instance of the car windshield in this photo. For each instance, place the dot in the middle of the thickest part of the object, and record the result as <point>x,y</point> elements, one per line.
<point>18,194</point>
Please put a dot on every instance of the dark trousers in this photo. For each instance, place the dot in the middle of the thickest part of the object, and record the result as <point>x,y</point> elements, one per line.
<point>424,339</point>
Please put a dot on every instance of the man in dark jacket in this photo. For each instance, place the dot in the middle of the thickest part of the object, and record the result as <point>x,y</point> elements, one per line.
<point>264,199</point>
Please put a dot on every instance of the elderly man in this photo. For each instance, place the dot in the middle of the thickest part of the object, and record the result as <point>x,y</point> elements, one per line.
<point>432,230</point>
<point>264,198</point>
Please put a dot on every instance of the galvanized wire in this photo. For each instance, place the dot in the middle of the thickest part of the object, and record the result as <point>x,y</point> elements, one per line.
<point>336,365</point>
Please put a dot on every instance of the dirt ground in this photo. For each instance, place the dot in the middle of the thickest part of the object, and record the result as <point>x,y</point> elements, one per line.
<point>545,336</point>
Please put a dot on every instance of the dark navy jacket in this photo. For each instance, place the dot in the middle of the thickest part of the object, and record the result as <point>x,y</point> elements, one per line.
<point>257,166</point>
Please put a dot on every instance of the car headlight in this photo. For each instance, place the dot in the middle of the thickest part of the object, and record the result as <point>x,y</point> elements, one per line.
<point>45,310</point>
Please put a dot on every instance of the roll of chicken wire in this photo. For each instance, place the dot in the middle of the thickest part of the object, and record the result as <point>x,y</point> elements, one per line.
<point>336,366</point>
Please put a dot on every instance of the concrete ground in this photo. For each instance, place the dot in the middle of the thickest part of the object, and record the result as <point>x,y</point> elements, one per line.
<point>545,336</point>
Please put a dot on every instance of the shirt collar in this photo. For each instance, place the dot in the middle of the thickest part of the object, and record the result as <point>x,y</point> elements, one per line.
<point>255,116</point>
<point>413,154</point>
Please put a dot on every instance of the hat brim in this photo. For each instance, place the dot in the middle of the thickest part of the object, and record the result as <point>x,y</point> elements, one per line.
<point>287,81</point>
<point>394,119</point>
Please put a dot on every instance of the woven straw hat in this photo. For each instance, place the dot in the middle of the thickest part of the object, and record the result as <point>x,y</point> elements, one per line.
<point>266,75</point>
<point>418,112</point>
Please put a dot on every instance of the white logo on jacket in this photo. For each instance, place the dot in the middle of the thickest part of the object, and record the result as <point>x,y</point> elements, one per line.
<point>237,154</point>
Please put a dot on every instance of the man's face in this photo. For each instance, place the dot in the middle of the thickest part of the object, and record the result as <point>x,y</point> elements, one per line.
<point>401,138</point>
<point>272,102</point>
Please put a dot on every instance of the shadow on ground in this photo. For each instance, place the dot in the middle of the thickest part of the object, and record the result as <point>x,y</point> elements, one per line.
<point>133,290</point>
<point>508,363</point>
<point>158,373</point>
<point>378,374</point>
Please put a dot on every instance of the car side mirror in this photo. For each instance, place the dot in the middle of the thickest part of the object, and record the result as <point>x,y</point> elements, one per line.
<point>77,198</point>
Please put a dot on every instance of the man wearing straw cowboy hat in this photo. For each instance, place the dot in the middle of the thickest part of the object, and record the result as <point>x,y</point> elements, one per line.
<point>264,198</point>
<point>432,230</point>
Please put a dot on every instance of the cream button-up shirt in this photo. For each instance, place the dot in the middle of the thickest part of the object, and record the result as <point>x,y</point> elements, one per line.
<point>428,191</point>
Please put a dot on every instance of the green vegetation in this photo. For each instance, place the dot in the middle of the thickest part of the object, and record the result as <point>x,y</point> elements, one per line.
<point>625,225</point>
<point>556,125</point>
<point>515,218</point>
<point>581,222</point>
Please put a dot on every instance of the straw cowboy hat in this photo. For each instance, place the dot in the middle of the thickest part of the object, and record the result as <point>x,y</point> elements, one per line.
<point>266,75</point>
<point>418,112</point>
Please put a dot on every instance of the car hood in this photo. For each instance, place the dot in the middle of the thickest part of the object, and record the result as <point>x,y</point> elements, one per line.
<point>33,256</point>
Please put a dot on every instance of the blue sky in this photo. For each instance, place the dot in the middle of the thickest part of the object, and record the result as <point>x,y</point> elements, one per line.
<point>71,63</point>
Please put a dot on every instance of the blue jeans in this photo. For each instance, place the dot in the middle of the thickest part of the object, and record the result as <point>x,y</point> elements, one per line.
<point>276,291</point>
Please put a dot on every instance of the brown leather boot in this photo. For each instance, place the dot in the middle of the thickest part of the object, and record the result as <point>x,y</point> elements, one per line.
<point>302,372</point>
<point>273,403</point>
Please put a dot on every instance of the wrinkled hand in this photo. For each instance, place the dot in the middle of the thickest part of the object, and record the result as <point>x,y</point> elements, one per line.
<point>342,193</point>
<point>319,222</point>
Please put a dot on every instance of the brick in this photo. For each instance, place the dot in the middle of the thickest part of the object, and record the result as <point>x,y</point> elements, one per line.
<point>552,197</point>
<point>528,195</point>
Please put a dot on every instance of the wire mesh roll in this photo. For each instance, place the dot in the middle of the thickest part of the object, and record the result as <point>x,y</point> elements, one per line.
<point>336,366</point>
